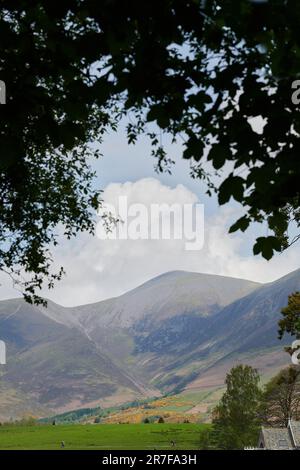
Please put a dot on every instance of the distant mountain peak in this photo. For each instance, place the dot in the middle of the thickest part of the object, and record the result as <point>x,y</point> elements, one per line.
<point>176,329</point>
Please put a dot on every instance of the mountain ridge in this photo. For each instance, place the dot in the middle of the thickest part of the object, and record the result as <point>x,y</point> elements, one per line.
<point>165,335</point>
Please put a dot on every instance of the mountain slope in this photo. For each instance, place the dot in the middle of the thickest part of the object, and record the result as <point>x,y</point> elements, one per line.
<point>179,330</point>
<point>248,325</point>
<point>120,325</point>
<point>53,366</point>
<point>173,293</point>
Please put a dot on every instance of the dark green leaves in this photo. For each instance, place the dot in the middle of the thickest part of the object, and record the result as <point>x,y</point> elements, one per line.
<point>266,246</point>
<point>158,114</point>
<point>219,154</point>
<point>241,224</point>
<point>199,100</point>
<point>194,148</point>
<point>73,70</point>
<point>233,186</point>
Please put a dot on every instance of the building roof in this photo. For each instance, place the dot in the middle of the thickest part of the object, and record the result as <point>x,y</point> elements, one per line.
<point>295,431</point>
<point>276,439</point>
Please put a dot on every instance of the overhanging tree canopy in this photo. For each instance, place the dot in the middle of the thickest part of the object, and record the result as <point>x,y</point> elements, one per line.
<point>199,69</point>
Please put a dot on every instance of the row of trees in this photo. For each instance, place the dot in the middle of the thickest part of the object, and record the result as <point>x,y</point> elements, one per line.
<point>245,407</point>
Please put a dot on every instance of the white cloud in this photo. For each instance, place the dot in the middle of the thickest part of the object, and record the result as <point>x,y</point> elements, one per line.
<point>98,269</point>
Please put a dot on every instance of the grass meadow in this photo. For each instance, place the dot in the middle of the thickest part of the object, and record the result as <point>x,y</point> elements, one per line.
<point>101,436</point>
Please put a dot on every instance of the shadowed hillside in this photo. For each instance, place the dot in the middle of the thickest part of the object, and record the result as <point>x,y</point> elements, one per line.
<point>178,331</point>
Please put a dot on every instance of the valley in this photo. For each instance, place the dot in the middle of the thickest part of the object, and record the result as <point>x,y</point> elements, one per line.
<point>176,334</point>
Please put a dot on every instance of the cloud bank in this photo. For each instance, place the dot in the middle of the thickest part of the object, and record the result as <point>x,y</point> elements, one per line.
<point>99,269</point>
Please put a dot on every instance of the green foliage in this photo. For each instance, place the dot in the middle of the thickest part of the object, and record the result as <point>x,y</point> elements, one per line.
<point>53,108</point>
<point>290,323</point>
<point>196,71</point>
<point>266,246</point>
<point>207,440</point>
<point>281,398</point>
<point>236,418</point>
<point>25,422</point>
<point>229,66</point>
<point>72,416</point>
<point>79,415</point>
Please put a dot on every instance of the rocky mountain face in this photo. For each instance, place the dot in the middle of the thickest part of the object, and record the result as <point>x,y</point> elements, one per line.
<point>166,335</point>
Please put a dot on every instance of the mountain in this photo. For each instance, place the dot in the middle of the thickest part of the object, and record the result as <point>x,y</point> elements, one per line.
<point>53,366</point>
<point>177,331</point>
<point>249,326</point>
<point>166,296</point>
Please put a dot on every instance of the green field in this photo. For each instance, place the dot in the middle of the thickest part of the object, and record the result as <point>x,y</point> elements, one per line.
<point>106,436</point>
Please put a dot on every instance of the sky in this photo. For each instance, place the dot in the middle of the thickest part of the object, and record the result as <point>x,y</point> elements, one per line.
<point>98,269</point>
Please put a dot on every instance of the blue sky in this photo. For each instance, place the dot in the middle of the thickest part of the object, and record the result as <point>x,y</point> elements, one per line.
<point>122,162</point>
<point>98,269</point>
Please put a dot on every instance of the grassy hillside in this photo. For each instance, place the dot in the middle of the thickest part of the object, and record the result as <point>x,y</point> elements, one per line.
<point>107,437</point>
<point>191,406</point>
<point>173,409</point>
<point>176,333</point>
